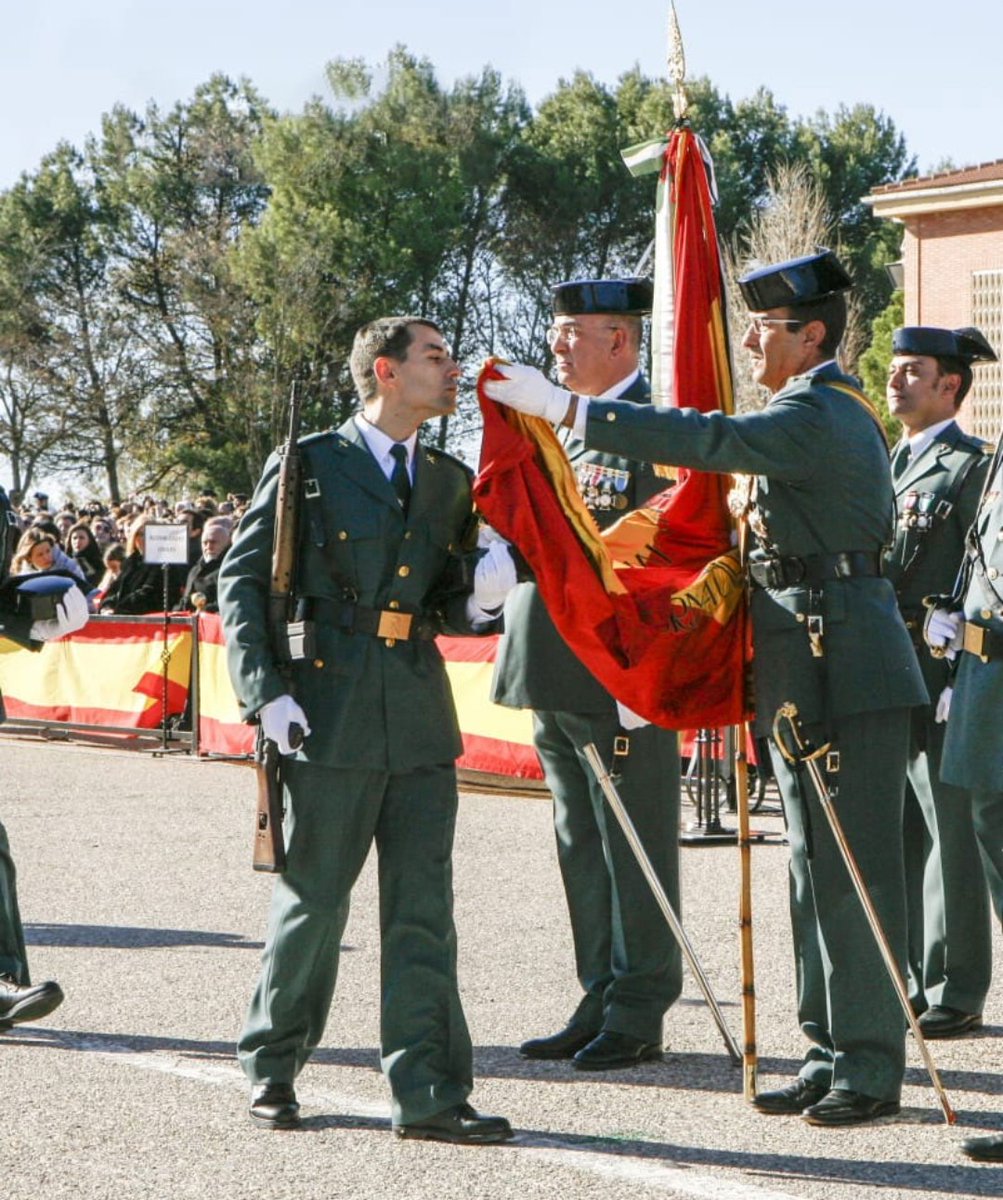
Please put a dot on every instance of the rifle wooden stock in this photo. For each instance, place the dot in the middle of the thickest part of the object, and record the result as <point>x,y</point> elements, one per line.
<point>269,846</point>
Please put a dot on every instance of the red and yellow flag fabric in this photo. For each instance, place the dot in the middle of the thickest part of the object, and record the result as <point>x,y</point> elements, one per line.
<point>653,607</point>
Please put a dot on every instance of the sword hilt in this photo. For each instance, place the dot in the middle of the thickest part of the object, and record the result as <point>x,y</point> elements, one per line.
<point>804,751</point>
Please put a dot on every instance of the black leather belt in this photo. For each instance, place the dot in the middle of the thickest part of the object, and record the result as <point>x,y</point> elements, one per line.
<point>781,571</point>
<point>375,622</point>
<point>985,644</point>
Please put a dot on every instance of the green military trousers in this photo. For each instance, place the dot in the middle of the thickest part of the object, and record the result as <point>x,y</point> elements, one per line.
<point>13,956</point>
<point>950,936</point>
<point>332,819</point>
<point>626,959</point>
<point>846,1003</point>
<point>987,813</point>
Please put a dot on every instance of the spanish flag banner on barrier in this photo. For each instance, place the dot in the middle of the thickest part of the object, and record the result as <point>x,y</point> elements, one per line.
<point>654,607</point>
<point>110,674</point>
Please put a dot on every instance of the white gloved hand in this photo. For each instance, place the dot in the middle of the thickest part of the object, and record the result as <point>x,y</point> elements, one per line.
<point>494,576</point>
<point>628,718</point>
<point>528,390</point>
<point>943,710</point>
<point>943,631</point>
<point>276,716</point>
<point>71,614</point>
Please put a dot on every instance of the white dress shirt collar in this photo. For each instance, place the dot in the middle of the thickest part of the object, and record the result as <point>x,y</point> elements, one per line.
<point>380,445</point>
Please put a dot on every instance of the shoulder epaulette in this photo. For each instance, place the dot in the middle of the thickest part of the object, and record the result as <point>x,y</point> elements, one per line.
<point>435,455</point>
<point>310,438</point>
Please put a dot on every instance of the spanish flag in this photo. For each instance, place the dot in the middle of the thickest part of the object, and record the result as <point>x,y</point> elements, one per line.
<point>655,606</point>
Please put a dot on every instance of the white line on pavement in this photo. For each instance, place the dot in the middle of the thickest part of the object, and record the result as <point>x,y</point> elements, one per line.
<point>653,1176</point>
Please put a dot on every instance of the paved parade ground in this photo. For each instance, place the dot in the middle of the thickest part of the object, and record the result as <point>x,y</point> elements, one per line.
<point>138,896</point>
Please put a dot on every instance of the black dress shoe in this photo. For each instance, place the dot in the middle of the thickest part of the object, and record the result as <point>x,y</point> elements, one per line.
<point>274,1106</point>
<point>26,1002</point>
<point>462,1124</point>
<point>790,1100</point>
<point>984,1149</point>
<point>609,1051</point>
<point>565,1044</point>
<point>843,1107</point>
<point>939,1021</point>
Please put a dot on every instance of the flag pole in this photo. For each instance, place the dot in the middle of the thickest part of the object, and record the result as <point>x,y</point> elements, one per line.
<point>680,106</point>
<point>750,1056</point>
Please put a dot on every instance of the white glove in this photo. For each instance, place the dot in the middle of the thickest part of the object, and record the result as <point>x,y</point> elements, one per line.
<point>276,716</point>
<point>943,710</point>
<point>494,576</point>
<point>71,614</point>
<point>943,631</point>
<point>528,390</point>
<point>628,718</point>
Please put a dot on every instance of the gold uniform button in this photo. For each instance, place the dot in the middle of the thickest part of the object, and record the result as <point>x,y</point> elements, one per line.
<point>391,641</point>
<point>986,614</point>
<point>611,416</point>
<point>395,604</point>
<point>318,663</point>
<point>404,571</point>
<point>993,573</point>
<point>799,617</point>
<point>342,535</point>
<point>407,535</point>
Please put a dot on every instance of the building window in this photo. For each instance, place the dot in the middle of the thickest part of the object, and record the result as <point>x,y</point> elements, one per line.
<point>983,408</point>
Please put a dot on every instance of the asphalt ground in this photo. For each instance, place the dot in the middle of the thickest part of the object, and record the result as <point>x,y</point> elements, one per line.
<point>137,894</point>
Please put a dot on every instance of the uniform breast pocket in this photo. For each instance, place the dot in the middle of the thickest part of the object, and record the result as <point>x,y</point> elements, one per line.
<point>354,541</point>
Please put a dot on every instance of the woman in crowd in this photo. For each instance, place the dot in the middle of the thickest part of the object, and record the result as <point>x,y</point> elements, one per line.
<point>86,553</point>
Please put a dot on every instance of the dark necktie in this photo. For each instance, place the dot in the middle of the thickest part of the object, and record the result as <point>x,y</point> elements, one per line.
<point>399,476</point>
<point>902,460</point>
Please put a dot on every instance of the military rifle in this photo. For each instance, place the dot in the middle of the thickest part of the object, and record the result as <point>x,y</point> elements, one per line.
<point>291,639</point>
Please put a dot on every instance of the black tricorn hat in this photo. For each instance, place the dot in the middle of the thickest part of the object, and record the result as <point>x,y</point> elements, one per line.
<point>799,281</point>
<point>631,297</point>
<point>967,344</point>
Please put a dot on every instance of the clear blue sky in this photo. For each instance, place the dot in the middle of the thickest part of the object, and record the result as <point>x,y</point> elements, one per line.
<point>933,68</point>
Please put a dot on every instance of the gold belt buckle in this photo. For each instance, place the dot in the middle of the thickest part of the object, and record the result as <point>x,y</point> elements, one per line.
<point>975,640</point>
<point>394,625</point>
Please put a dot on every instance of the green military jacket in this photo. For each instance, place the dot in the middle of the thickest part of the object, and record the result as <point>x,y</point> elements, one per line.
<point>535,668</point>
<point>936,497</point>
<point>823,488</point>
<point>373,703</point>
<point>973,743</point>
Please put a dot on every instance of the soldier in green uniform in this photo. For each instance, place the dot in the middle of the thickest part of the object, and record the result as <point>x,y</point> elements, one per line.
<point>384,531</point>
<point>969,631</point>
<point>20,999</point>
<point>938,471</point>
<point>827,635</point>
<point>626,959</point>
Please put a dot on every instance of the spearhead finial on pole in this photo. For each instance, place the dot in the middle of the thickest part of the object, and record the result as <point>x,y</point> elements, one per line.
<point>677,65</point>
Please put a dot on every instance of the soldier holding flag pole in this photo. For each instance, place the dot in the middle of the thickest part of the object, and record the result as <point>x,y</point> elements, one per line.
<point>827,634</point>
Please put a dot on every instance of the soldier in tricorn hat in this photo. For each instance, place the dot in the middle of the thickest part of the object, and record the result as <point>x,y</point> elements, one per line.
<point>828,637</point>
<point>938,471</point>
<point>627,962</point>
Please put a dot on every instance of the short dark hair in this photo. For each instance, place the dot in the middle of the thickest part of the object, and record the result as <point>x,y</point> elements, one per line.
<point>948,365</point>
<point>831,311</point>
<point>386,337</point>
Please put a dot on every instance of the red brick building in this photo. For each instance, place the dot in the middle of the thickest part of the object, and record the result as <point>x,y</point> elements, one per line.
<point>952,266</point>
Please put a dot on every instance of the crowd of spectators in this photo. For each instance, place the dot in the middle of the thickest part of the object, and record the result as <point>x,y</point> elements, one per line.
<point>102,545</point>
